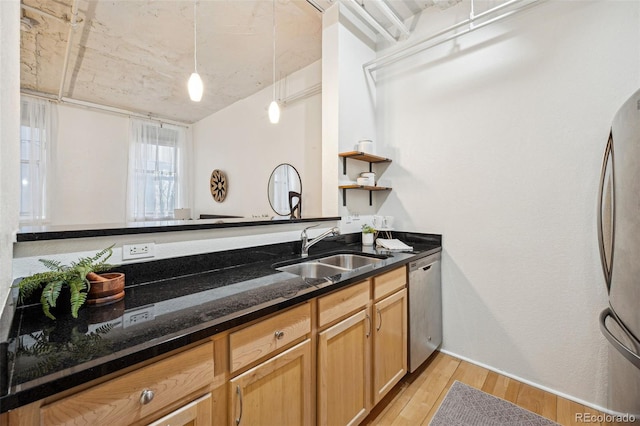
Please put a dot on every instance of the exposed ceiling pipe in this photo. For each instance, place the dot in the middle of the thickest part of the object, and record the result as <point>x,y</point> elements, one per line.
<point>43,13</point>
<point>102,108</point>
<point>391,16</point>
<point>72,29</point>
<point>356,7</point>
<point>305,93</point>
<point>436,39</point>
<point>316,6</point>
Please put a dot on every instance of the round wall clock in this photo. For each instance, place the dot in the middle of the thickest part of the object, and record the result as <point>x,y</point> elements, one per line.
<point>218,185</point>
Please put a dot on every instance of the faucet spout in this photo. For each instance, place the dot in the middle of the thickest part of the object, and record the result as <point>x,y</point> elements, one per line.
<point>307,243</point>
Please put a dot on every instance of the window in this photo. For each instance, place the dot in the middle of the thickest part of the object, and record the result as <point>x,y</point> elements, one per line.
<point>37,130</point>
<point>158,181</point>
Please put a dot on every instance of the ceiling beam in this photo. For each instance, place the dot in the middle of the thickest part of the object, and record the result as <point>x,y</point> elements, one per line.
<point>366,16</point>
<point>43,13</point>
<point>391,16</point>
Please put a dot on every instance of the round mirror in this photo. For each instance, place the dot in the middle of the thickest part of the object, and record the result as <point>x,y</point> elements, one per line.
<point>285,191</point>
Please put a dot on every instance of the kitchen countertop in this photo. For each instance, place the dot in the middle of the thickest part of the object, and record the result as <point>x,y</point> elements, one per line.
<point>49,232</point>
<point>169,304</point>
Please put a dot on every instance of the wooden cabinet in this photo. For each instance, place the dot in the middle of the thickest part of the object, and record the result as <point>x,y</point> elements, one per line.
<point>361,357</point>
<point>389,343</point>
<point>197,413</point>
<point>275,392</point>
<point>389,282</point>
<point>343,302</point>
<point>326,361</point>
<point>136,395</point>
<point>269,336</point>
<point>343,356</point>
<point>343,371</point>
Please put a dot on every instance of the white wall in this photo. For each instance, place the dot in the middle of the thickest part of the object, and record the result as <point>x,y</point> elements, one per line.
<point>90,173</point>
<point>241,142</point>
<point>167,244</point>
<point>497,142</point>
<point>10,137</point>
<point>349,110</point>
<point>91,159</point>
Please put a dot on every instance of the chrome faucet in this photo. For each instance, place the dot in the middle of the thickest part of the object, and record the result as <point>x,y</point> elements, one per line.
<point>306,242</point>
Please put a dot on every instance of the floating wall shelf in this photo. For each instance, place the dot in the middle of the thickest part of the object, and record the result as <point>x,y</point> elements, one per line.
<point>371,189</point>
<point>361,156</point>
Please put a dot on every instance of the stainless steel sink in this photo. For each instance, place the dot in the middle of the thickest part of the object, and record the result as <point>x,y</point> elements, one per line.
<point>312,269</point>
<point>349,261</point>
<point>329,265</point>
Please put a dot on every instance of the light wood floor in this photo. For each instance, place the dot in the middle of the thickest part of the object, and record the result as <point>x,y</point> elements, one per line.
<point>417,397</point>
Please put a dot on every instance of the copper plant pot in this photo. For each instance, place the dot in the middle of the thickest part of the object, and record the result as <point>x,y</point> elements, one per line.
<point>109,291</point>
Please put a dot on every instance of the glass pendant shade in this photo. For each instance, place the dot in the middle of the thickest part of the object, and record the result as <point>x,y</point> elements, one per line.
<point>274,112</point>
<point>195,87</point>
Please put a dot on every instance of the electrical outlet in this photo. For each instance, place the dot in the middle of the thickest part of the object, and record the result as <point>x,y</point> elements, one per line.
<point>138,251</point>
<point>138,315</point>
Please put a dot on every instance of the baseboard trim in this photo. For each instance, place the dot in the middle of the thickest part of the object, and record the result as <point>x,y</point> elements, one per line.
<point>534,384</point>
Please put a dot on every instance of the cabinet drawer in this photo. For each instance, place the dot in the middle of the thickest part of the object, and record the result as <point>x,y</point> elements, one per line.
<point>118,401</point>
<point>387,283</point>
<point>261,339</point>
<point>342,302</point>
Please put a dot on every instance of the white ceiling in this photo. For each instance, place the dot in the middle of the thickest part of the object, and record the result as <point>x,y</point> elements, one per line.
<point>138,54</point>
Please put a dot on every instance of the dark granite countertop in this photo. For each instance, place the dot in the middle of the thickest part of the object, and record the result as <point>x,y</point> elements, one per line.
<point>169,304</point>
<point>49,232</point>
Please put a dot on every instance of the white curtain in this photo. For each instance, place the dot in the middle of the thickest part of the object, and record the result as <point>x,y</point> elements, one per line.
<point>285,179</point>
<point>159,170</point>
<point>38,131</point>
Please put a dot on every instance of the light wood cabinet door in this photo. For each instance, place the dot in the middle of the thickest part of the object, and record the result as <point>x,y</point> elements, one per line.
<point>343,371</point>
<point>196,413</point>
<point>276,392</point>
<point>136,395</point>
<point>389,343</point>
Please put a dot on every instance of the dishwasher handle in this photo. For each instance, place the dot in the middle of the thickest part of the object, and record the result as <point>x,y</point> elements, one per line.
<point>424,263</point>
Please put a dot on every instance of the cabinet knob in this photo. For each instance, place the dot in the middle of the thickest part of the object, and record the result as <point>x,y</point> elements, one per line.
<point>279,334</point>
<point>146,396</point>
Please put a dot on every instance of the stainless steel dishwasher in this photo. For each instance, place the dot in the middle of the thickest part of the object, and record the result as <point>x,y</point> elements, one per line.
<point>425,309</point>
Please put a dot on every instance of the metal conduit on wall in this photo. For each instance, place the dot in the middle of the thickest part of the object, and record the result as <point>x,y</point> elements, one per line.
<point>474,22</point>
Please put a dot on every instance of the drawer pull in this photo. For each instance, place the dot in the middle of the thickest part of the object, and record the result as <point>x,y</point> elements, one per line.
<point>146,396</point>
<point>279,334</point>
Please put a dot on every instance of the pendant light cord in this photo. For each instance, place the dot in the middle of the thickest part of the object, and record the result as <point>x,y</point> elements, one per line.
<point>195,36</point>
<point>274,48</point>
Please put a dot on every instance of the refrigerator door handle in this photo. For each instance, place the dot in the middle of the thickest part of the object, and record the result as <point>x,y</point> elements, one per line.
<point>632,356</point>
<point>608,160</point>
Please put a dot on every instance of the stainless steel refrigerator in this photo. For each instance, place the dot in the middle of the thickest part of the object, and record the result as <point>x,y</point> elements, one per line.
<point>619,241</point>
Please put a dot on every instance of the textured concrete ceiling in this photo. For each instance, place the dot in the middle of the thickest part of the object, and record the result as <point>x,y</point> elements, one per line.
<point>138,54</point>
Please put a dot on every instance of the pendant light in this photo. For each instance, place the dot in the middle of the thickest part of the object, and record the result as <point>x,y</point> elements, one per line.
<point>195,82</point>
<point>274,108</point>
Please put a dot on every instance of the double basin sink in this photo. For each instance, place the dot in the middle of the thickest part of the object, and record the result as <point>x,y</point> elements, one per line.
<point>330,265</point>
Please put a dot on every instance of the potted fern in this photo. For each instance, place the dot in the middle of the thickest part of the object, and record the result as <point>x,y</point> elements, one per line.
<point>59,277</point>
